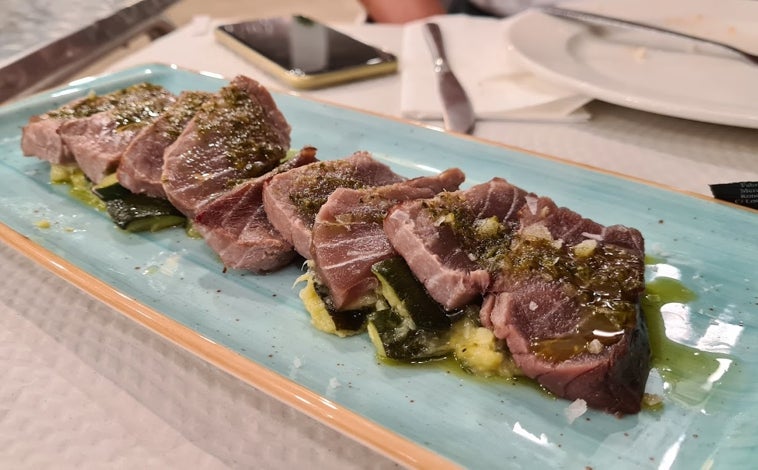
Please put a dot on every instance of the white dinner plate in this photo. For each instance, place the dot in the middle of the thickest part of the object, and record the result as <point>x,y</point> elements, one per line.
<point>648,71</point>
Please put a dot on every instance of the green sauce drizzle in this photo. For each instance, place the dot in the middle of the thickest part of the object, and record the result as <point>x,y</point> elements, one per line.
<point>239,125</point>
<point>688,373</point>
<point>604,283</point>
<point>604,280</point>
<point>317,186</point>
<point>177,116</point>
<point>80,188</point>
<point>133,107</point>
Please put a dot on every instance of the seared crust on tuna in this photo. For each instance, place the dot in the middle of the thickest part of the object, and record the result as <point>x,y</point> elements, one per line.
<point>561,290</point>
<point>97,141</point>
<point>293,199</point>
<point>423,233</point>
<point>238,135</point>
<point>567,306</point>
<point>141,165</point>
<point>348,236</point>
<point>45,135</point>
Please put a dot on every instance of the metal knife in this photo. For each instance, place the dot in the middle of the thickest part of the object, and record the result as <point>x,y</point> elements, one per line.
<point>457,111</point>
<point>602,20</point>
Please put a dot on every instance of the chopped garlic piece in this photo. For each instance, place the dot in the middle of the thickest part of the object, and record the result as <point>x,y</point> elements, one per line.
<point>344,219</point>
<point>595,346</point>
<point>531,203</point>
<point>586,248</point>
<point>536,232</point>
<point>488,227</point>
<point>576,409</point>
<point>448,218</point>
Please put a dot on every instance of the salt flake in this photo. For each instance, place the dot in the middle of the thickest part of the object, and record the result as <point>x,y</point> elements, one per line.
<point>576,409</point>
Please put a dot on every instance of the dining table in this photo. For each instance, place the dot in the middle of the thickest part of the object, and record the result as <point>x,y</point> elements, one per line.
<point>84,386</point>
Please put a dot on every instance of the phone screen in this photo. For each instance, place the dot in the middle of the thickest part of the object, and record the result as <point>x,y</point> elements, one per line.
<point>303,46</point>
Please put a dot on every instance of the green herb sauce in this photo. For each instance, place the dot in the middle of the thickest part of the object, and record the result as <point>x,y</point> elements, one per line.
<point>317,186</point>
<point>605,285</point>
<point>604,280</point>
<point>485,240</point>
<point>80,188</point>
<point>176,117</point>
<point>133,107</point>
<point>688,372</point>
<point>85,107</point>
<point>238,125</point>
<point>138,105</point>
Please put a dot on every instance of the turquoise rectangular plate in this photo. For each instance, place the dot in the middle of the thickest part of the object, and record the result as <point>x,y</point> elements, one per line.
<point>255,326</point>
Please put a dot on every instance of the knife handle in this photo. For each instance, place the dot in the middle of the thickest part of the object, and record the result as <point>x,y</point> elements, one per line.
<point>433,37</point>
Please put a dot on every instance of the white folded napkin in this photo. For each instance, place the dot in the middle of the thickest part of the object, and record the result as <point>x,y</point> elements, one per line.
<point>497,85</point>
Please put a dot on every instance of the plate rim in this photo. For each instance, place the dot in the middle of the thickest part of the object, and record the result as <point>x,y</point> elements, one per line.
<point>597,90</point>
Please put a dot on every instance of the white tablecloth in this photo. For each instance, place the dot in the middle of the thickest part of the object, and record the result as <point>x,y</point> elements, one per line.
<point>83,387</point>
<point>683,154</point>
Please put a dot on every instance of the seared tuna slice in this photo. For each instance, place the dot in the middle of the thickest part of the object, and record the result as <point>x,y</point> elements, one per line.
<point>40,138</point>
<point>570,227</point>
<point>348,236</point>
<point>97,141</point>
<point>237,135</point>
<point>293,199</point>
<point>567,305</point>
<point>141,164</point>
<point>448,240</point>
<point>235,225</point>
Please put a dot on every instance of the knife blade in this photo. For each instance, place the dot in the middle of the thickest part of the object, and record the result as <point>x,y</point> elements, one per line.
<point>457,111</point>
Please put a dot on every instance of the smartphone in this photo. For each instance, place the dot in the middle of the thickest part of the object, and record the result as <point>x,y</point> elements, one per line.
<point>304,53</point>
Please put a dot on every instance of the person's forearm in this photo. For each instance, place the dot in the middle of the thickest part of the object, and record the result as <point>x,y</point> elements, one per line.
<point>401,11</point>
